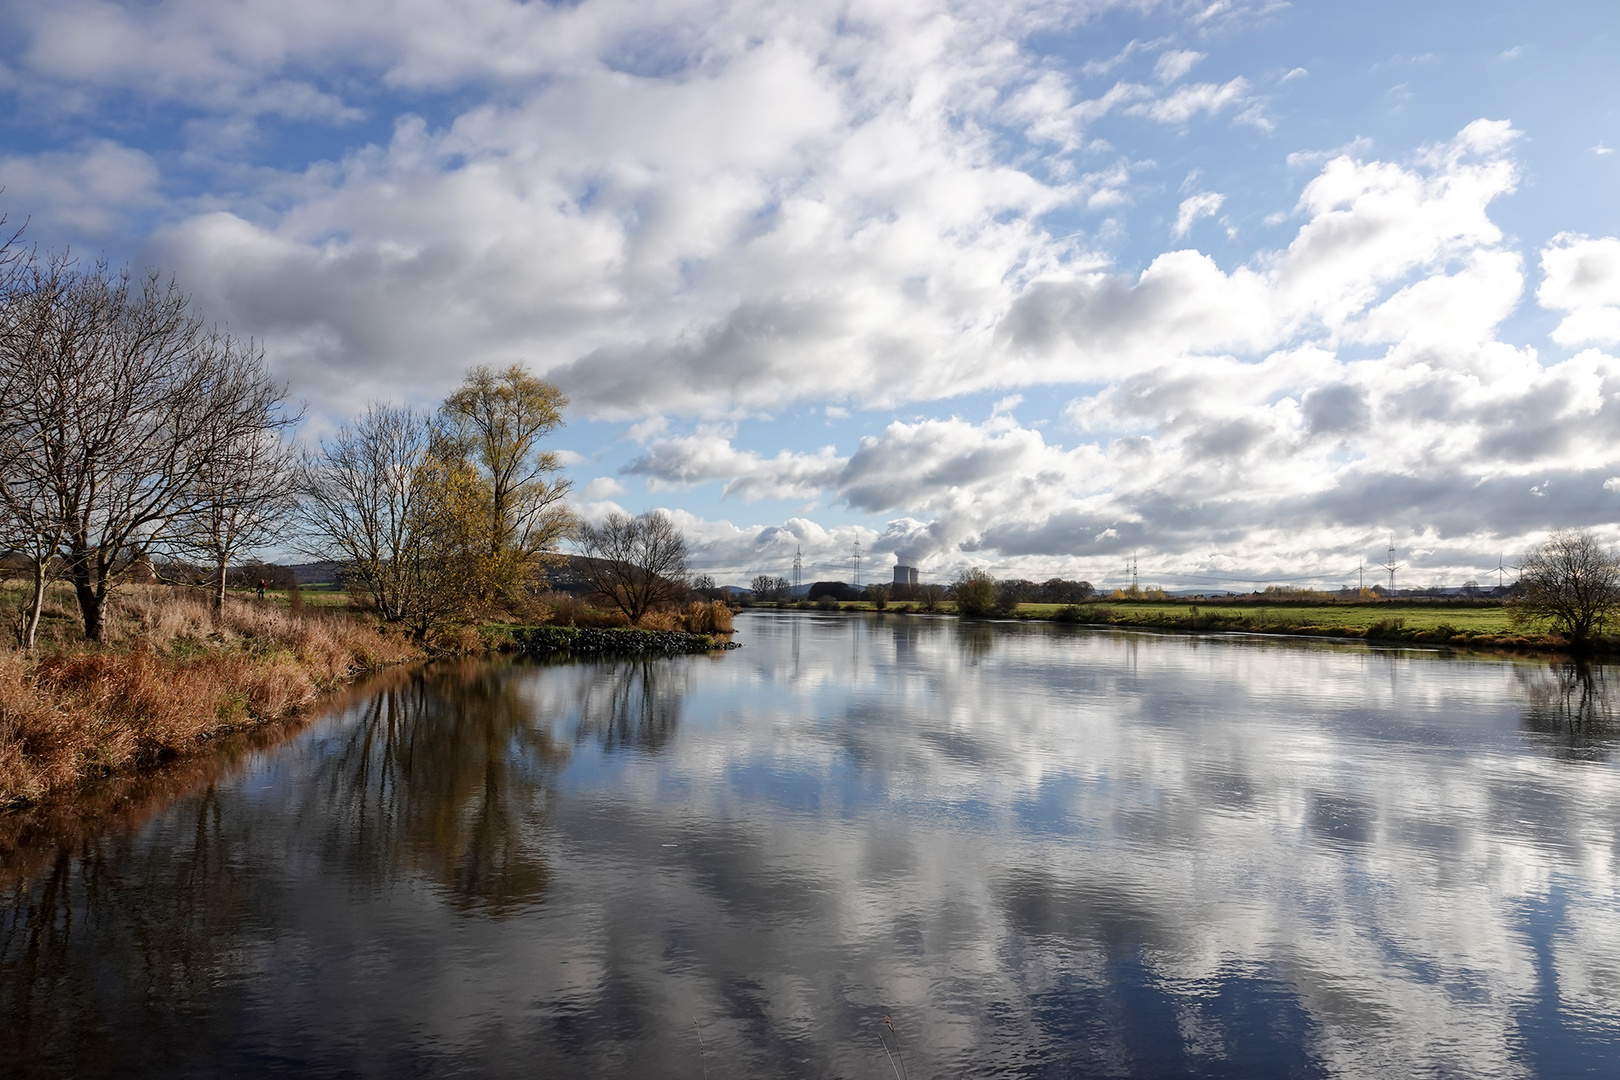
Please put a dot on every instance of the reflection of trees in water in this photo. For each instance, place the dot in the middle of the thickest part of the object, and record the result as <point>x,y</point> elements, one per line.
<point>632,704</point>
<point>450,775</point>
<point>1573,705</point>
<point>112,956</point>
<point>975,639</point>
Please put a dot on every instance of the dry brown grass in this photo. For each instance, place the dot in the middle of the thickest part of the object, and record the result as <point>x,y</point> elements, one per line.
<point>566,609</point>
<point>706,617</point>
<point>696,617</point>
<point>172,675</point>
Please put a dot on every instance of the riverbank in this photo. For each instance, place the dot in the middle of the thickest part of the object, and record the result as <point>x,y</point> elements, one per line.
<point>1462,625</point>
<point>1460,628</point>
<point>172,677</point>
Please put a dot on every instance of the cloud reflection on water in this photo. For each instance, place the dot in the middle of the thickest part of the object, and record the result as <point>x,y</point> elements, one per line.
<point>1043,851</point>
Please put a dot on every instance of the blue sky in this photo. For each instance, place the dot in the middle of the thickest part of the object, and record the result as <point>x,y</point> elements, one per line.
<point>1246,288</point>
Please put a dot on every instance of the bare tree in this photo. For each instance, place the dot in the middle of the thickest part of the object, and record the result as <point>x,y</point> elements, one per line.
<point>636,562</point>
<point>1571,581</point>
<point>122,398</point>
<point>242,501</point>
<point>499,420</point>
<point>32,522</point>
<point>362,504</point>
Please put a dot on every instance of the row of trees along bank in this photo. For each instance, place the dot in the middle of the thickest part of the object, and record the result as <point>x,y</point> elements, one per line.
<point>1569,585</point>
<point>137,439</point>
<point>434,514</point>
<point>128,428</point>
<point>132,432</point>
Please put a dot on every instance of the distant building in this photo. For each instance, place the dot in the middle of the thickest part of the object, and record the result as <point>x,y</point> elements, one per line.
<point>905,575</point>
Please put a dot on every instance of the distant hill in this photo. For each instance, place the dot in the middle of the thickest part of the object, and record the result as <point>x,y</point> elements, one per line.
<point>314,573</point>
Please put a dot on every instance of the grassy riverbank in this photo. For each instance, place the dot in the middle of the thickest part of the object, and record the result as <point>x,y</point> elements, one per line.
<point>170,676</point>
<point>1472,625</point>
<point>1462,625</point>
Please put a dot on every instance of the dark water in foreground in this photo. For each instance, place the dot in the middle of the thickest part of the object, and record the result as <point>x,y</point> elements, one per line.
<point>1041,852</point>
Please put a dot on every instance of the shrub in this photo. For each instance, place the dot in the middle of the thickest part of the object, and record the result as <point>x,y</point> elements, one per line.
<point>566,609</point>
<point>975,593</point>
<point>837,590</point>
<point>706,617</point>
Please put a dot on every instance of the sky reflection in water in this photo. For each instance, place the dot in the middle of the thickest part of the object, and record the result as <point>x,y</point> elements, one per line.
<point>1043,852</point>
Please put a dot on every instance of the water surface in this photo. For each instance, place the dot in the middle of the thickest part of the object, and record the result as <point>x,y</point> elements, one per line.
<point>1041,852</point>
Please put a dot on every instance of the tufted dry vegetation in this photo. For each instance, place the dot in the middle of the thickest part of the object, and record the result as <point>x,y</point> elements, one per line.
<point>566,609</point>
<point>176,674</point>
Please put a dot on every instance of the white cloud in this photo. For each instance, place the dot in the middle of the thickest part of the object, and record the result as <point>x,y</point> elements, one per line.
<point>1198,99</point>
<point>1205,204</point>
<point>90,189</point>
<point>709,456</point>
<point>1174,64</point>
<point>1357,148</point>
<point>696,211</point>
<point>1581,275</point>
<point>602,487</point>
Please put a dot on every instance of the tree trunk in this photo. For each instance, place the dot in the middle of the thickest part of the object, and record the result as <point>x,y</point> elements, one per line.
<point>90,608</point>
<point>219,586</point>
<point>35,607</point>
<point>85,582</point>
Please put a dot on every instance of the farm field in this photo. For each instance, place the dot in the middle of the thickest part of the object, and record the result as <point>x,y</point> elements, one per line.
<point>1419,617</point>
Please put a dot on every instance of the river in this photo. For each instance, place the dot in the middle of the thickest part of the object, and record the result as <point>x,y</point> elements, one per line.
<point>1037,851</point>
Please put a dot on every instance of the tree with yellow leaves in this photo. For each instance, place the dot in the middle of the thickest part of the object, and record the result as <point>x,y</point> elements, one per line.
<point>497,421</point>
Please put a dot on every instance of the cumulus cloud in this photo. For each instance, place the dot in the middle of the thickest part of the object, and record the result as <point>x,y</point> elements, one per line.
<point>695,212</point>
<point>738,221</point>
<point>90,189</point>
<point>754,222</point>
<point>1302,461</point>
<point>602,487</point>
<point>1581,275</point>
<point>710,456</point>
<point>1372,227</point>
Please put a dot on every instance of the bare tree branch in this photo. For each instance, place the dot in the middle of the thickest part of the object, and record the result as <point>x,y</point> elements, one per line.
<point>125,402</point>
<point>1572,581</point>
<point>636,562</point>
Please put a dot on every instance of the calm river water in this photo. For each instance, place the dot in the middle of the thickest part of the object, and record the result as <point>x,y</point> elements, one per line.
<point>1041,852</point>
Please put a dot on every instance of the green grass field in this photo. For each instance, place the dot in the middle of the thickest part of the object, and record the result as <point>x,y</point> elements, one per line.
<point>1476,620</point>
